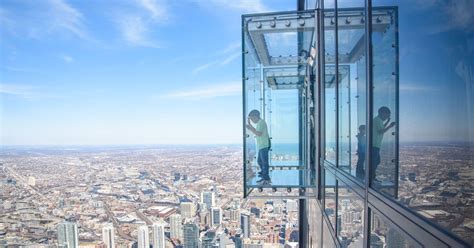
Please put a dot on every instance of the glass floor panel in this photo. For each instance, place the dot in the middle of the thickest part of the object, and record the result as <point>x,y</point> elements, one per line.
<point>282,179</point>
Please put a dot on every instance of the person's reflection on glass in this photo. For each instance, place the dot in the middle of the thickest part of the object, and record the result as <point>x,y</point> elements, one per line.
<point>263,144</point>
<point>379,129</point>
<point>361,145</point>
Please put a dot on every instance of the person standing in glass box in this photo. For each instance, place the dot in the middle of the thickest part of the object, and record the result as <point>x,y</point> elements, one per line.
<point>263,144</point>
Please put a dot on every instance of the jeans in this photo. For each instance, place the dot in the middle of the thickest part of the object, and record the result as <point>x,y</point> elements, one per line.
<point>360,171</point>
<point>375,161</point>
<point>263,163</point>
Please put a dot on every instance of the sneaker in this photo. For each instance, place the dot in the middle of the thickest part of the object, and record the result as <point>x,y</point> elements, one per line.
<point>260,180</point>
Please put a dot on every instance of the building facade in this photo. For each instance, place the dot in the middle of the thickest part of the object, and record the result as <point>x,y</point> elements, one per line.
<point>108,236</point>
<point>190,235</point>
<point>143,237</point>
<point>68,235</point>
<point>369,107</point>
<point>158,235</point>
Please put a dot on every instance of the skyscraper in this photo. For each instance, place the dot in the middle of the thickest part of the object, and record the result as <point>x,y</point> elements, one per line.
<point>68,235</point>
<point>191,235</point>
<point>176,227</point>
<point>208,198</point>
<point>245,224</point>
<point>143,237</point>
<point>158,235</point>
<point>108,236</point>
<point>216,216</point>
<point>187,209</point>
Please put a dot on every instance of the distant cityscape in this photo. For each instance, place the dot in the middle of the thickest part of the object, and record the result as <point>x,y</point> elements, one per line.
<point>191,196</point>
<point>160,196</point>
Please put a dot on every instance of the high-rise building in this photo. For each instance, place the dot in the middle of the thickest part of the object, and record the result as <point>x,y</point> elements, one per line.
<point>143,237</point>
<point>158,235</point>
<point>188,209</point>
<point>245,224</point>
<point>176,229</point>
<point>234,214</point>
<point>208,198</point>
<point>375,144</point>
<point>209,240</point>
<point>216,216</point>
<point>108,236</point>
<point>68,235</point>
<point>190,235</point>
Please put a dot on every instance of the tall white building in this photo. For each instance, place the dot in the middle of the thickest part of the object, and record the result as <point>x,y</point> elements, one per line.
<point>176,227</point>
<point>158,235</point>
<point>143,238</point>
<point>188,209</point>
<point>108,236</point>
<point>68,235</point>
<point>216,216</point>
<point>208,198</point>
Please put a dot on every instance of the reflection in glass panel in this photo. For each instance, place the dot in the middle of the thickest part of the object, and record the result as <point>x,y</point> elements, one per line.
<point>385,103</point>
<point>436,112</point>
<point>385,234</point>
<point>330,85</point>
<point>350,217</point>
<point>328,241</point>
<point>330,197</point>
<point>352,88</point>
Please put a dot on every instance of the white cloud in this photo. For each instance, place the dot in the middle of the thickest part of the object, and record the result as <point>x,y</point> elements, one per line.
<point>40,19</point>
<point>245,6</point>
<point>135,31</point>
<point>157,9</point>
<point>68,18</point>
<point>136,25</point>
<point>225,56</point>
<point>231,58</point>
<point>66,58</point>
<point>203,67</point>
<point>212,91</point>
<point>23,91</point>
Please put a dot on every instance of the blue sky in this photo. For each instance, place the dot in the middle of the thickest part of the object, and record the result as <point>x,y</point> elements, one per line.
<point>122,72</point>
<point>163,71</point>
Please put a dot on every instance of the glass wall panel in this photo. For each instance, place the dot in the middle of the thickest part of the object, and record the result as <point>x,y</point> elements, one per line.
<point>253,95</point>
<point>352,87</point>
<point>385,234</point>
<point>283,125</point>
<point>314,223</point>
<point>344,139</point>
<point>385,101</point>
<point>330,83</point>
<point>328,241</point>
<point>330,197</point>
<point>436,124</point>
<point>350,217</point>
